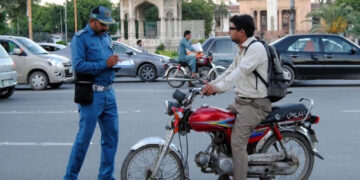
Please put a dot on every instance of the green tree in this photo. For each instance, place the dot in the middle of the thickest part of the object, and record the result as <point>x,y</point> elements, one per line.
<point>331,18</point>
<point>3,25</point>
<point>353,3</point>
<point>199,10</point>
<point>83,9</point>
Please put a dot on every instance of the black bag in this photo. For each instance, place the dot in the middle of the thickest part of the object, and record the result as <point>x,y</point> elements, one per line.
<point>84,89</point>
<point>276,83</point>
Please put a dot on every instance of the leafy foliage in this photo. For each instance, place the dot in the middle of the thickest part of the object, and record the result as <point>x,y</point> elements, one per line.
<point>199,10</point>
<point>331,18</point>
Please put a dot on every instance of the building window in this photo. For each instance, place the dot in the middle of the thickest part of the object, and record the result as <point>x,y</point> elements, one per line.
<point>285,15</point>
<point>263,20</point>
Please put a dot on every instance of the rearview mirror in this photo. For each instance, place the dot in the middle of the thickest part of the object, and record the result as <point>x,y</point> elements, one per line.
<point>17,51</point>
<point>353,50</point>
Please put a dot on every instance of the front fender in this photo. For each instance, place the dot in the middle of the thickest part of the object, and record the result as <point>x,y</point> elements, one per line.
<point>161,141</point>
<point>301,130</point>
<point>215,68</point>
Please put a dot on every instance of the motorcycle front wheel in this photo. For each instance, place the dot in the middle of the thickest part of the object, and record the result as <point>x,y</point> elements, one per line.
<point>139,163</point>
<point>173,74</point>
<point>297,145</point>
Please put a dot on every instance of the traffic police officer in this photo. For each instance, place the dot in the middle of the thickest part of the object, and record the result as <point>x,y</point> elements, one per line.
<point>92,53</point>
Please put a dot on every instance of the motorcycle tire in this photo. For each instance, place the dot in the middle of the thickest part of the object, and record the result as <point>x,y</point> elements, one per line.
<point>292,137</point>
<point>214,74</point>
<point>175,73</point>
<point>127,172</point>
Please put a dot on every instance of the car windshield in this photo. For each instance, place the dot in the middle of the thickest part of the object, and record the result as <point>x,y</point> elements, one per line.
<point>3,53</point>
<point>32,46</point>
<point>133,49</point>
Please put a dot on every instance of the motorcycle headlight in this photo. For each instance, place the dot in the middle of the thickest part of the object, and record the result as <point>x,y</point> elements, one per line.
<point>168,107</point>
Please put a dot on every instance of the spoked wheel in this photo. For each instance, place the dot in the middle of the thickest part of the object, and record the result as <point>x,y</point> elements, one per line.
<point>174,74</point>
<point>298,146</point>
<point>138,165</point>
<point>214,74</point>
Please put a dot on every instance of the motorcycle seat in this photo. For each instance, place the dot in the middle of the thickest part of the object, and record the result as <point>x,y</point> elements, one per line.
<point>183,64</point>
<point>286,112</point>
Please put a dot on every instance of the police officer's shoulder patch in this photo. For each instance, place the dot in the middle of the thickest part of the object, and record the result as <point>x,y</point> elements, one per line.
<point>79,33</point>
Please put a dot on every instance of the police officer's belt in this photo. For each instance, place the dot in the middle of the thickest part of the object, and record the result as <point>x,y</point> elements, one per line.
<point>100,88</point>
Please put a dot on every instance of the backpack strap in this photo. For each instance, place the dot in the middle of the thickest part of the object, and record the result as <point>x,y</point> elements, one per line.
<point>257,75</point>
<point>261,78</point>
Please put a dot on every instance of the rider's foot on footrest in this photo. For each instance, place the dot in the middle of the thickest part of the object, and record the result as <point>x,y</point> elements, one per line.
<point>191,84</point>
<point>224,177</point>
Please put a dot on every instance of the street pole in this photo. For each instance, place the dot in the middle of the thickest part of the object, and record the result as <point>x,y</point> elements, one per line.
<point>65,21</point>
<point>75,12</point>
<point>61,25</point>
<point>292,16</point>
<point>30,19</point>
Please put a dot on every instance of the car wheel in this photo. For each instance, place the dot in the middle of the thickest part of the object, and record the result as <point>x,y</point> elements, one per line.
<point>147,72</point>
<point>55,85</point>
<point>38,80</point>
<point>289,75</point>
<point>6,92</point>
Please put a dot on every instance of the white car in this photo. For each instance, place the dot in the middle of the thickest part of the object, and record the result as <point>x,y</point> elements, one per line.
<point>51,47</point>
<point>8,78</point>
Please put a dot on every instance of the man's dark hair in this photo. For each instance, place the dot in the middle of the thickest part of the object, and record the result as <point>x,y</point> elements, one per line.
<point>138,41</point>
<point>187,32</point>
<point>245,22</point>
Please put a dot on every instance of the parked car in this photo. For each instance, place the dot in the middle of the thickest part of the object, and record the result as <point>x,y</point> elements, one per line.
<point>318,56</point>
<point>8,78</point>
<point>51,47</point>
<point>34,65</point>
<point>222,48</point>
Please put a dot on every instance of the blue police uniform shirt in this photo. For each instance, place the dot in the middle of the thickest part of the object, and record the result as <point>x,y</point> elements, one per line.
<point>184,44</point>
<point>89,53</point>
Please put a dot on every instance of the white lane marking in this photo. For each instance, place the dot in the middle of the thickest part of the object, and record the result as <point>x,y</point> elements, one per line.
<point>351,111</point>
<point>37,144</point>
<point>57,112</point>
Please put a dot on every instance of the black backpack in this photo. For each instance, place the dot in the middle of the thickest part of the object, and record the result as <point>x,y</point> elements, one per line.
<point>276,83</point>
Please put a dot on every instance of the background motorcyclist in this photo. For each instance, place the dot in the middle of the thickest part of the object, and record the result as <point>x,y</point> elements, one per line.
<point>185,45</point>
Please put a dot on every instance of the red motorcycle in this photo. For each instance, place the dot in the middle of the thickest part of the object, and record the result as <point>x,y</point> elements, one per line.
<point>177,73</point>
<point>282,146</point>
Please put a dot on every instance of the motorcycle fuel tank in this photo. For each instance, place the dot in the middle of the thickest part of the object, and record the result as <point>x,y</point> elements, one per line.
<point>211,119</point>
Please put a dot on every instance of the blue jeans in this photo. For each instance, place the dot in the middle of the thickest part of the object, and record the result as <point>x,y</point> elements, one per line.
<point>191,61</point>
<point>104,111</point>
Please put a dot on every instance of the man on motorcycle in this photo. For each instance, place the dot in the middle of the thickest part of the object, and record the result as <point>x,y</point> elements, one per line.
<point>185,45</point>
<point>251,103</point>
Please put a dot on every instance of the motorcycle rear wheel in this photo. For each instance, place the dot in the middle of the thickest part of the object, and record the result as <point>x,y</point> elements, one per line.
<point>175,73</point>
<point>295,144</point>
<point>214,74</point>
<point>138,164</point>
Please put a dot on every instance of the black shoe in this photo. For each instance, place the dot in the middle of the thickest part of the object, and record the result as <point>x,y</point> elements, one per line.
<point>224,177</point>
<point>191,84</point>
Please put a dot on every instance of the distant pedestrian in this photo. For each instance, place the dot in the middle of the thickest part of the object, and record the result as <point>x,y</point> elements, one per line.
<point>139,45</point>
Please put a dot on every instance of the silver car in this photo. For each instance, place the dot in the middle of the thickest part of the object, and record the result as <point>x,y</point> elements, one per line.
<point>146,66</point>
<point>222,48</point>
<point>34,65</point>
<point>7,74</point>
<point>50,47</point>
